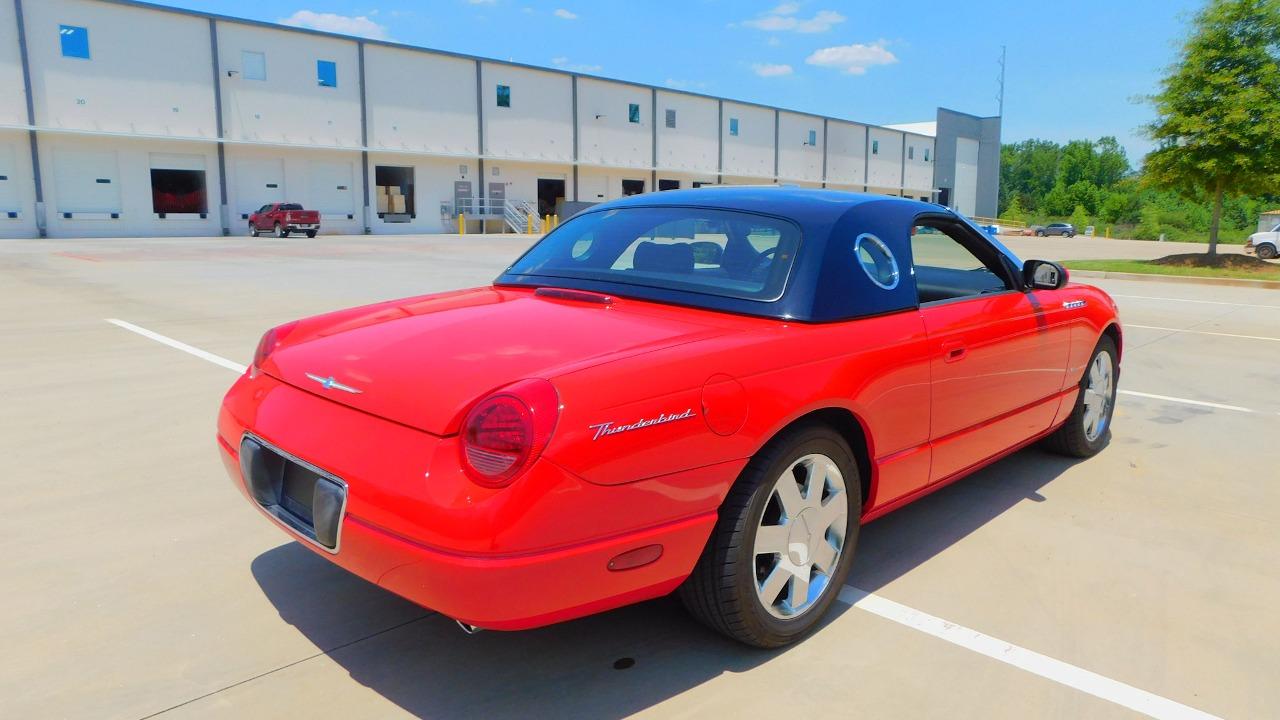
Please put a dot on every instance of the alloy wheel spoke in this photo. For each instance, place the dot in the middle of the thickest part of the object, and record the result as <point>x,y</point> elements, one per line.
<point>771,539</point>
<point>798,592</point>
<point>816,481</point>
<point>831,513</point>
<point>772,586</point>
<point>824,557</point>
<point>789,495</point>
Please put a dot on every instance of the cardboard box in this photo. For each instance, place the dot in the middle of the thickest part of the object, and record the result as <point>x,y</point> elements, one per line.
<point>395,191</point>
<point>397,203</point>
<point>384,203</point>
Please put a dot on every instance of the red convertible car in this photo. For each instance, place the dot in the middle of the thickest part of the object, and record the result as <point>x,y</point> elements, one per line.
<point>704,391</point>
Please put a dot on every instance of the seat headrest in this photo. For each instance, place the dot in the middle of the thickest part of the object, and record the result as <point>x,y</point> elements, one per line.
<point>656,257</point>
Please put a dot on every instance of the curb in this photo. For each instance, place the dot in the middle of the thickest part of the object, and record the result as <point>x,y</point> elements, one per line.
<point>1228,282</point>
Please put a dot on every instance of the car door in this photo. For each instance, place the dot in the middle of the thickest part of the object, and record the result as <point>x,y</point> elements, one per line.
<point>999,353</point>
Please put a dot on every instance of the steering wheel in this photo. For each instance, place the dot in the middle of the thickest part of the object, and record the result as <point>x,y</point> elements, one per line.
<point>763,261</point>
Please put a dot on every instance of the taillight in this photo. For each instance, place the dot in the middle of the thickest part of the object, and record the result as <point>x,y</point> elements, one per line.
<point>505,432</point>
<point>271,340</point>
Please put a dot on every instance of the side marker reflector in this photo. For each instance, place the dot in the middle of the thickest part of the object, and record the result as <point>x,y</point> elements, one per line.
<point>636,558</point>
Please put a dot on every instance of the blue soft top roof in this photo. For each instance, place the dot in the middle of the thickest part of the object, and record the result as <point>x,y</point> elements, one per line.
<point>826,282</point>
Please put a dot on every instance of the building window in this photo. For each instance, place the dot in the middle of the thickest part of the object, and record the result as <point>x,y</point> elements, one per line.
<point>253,65</point>
<point>813,138</point>
<point>875,147</point>
<point>911,152</point>
<point>75,41</point>
<point>504,96</point>
<point>327,73</point>
<point>733,126</point>
<point>633,113</point>
<point>926,154</point>
<point>671,118</point>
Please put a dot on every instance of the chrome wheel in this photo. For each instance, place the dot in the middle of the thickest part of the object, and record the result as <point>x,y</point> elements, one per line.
<point>800,536</point>
<point>1098,391</point>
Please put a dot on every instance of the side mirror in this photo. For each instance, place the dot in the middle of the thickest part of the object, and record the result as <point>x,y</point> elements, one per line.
<point>1043,275</point>
<point>706,252</point>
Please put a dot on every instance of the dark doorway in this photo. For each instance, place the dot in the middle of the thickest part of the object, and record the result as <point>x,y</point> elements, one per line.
<point>178,191</point>
<point>944,197</point>
<point>394,189</point>
<point>632,187</point>
<point>550,195</point>
<point>668,185</point>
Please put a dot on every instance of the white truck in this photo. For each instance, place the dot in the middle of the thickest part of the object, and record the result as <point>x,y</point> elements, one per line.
<point>1265,245</point>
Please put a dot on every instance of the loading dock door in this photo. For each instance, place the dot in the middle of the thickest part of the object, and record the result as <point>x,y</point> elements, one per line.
<point>550,195</point>
<point>178,185</point>
<point>9,203</point>
<point>331,191</point>
<point>87,181</point>
<point>258,182</point>
<point>668,185</point>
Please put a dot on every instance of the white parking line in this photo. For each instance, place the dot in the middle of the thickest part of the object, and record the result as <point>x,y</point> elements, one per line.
<point>1033,662</point>
<point>1184,401</point>
<point>178,345</point>
<point>1202,332</point>
<point>1188,300</point>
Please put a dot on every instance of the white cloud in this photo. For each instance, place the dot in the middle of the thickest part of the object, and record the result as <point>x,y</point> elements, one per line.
<point>565,14</point>
<point>334,23</point>
<point>482,2</point>
<point>773,42</point>
<point>563,63</point>
<point>853,59</point>
<point>771,70</point>
<point>784,18</point>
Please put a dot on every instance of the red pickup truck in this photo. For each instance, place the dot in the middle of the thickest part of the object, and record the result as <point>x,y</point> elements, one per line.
<point>280,219</point>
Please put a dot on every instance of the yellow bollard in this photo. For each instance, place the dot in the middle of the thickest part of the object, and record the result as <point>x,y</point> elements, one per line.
<point>1108,231</point>
<point>555,221</point>
<point>462,223</point>
<point>546,224</point>
<point>529,224</point>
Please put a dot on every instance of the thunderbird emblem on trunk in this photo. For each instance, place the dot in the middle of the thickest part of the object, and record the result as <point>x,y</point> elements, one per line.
<point>328,383</point>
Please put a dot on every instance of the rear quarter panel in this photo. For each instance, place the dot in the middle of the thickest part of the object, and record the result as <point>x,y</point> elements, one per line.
<point>876,368</point>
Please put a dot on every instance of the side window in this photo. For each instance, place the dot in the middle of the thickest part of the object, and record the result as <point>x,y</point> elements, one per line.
<point>75,41</point>
<point>253,65</point>
<point>946,267</point>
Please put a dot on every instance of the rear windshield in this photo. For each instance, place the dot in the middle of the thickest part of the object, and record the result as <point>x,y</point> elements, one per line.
<point>291,206</point>
<point>713,252</point>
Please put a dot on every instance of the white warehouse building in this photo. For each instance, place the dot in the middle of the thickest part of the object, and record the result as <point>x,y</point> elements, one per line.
<point>98,138</point>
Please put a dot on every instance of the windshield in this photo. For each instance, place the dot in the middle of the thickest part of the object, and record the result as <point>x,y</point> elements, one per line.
<point>700,250</point>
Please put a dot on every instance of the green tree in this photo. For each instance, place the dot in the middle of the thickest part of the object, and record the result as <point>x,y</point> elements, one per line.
<point>1014,211</point>
<point>1217,129</point>
<point>1080,218</point>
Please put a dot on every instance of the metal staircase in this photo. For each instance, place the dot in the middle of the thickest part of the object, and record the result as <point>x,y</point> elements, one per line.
<point>518,213</point>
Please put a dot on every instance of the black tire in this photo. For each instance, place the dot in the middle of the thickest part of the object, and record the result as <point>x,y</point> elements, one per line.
<point>721,591</point>
<point>253,231</point>
<point>1039,233</point>
<point>311,233</point>
<point>1071,439</point>
<point>1267,252</point>
<point>1071,235</point>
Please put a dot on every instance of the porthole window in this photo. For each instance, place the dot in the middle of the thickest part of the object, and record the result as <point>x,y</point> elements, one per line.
<point>876,260</point>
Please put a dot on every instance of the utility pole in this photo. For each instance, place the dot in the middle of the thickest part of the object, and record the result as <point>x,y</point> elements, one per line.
<point>1004,52</point>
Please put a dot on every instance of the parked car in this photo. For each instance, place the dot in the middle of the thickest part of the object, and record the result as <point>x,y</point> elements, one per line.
<point>1063,229</point>
<point>668,392</point>
<point>280,219</point>
<point>1265,245</point>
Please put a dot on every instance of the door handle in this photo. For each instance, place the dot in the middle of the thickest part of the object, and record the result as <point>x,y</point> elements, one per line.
<point>953,351</point>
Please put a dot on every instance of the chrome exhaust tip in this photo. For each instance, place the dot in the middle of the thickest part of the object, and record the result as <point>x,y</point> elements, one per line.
<point>469,629</point>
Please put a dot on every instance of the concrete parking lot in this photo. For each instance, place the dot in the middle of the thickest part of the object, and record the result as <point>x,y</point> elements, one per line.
<point>138,583</point>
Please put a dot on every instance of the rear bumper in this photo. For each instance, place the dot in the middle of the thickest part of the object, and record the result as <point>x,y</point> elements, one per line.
<point>503,560</point>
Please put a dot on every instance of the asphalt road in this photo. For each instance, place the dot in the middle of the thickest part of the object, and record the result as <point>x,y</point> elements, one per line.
<point>137,582</point>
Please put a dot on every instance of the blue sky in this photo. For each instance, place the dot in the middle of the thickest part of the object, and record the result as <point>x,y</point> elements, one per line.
<point>1077,69</point>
